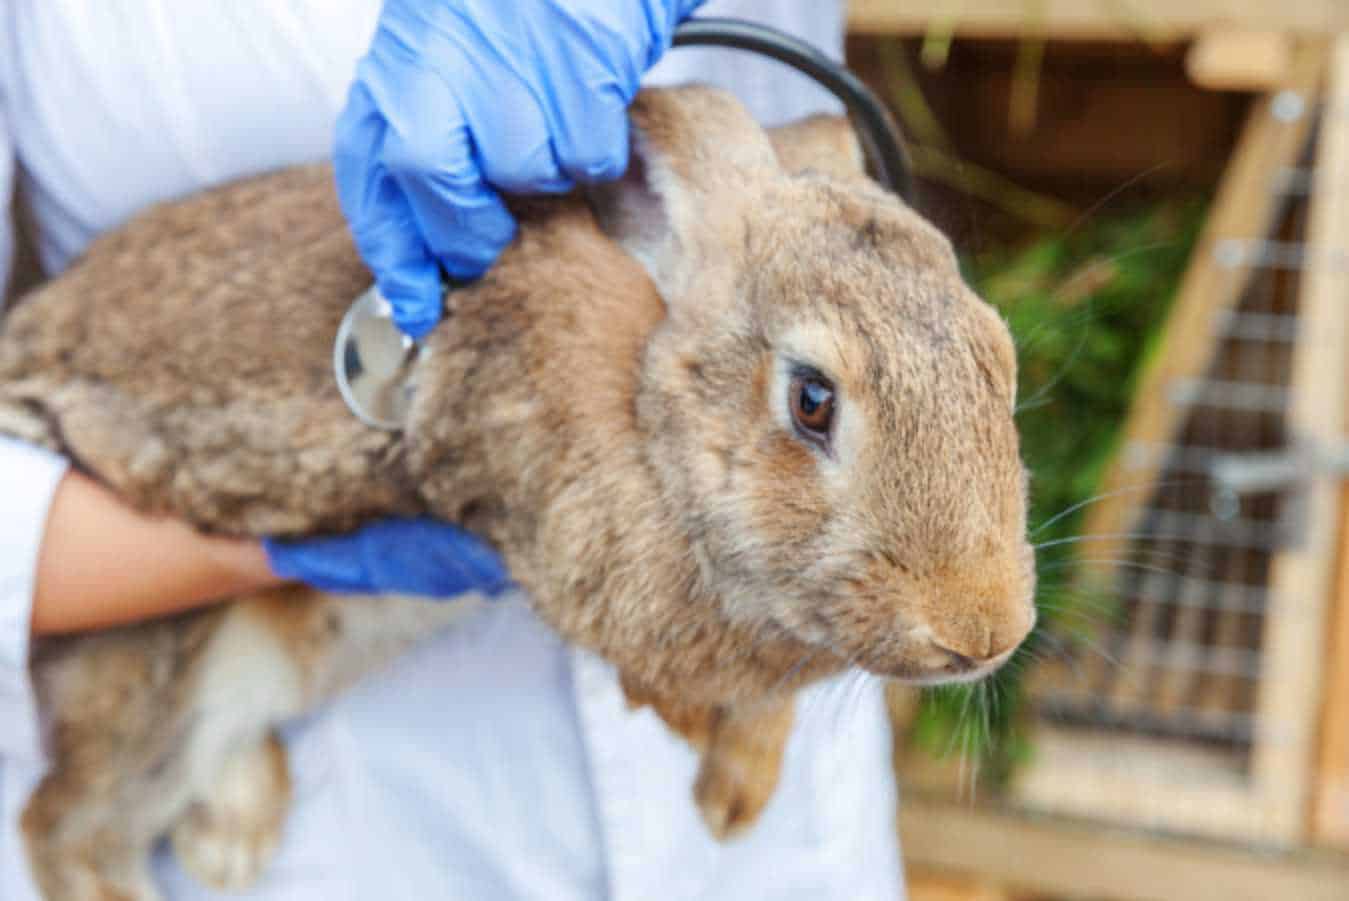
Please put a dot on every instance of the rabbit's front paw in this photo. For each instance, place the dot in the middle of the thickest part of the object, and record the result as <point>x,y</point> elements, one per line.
<point>740,767</point>
<point>741,752</point>
<point>226,839</point>
<point>731,793</point>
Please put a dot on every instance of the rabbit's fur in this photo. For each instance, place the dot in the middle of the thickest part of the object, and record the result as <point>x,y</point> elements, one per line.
<point>615,423</point>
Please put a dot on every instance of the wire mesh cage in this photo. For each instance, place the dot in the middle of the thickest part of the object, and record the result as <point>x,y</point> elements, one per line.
<point>1182,656</point>
<point>1192,705</point>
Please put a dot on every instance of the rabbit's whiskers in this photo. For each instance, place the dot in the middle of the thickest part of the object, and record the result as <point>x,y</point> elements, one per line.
<point>1106,495</point>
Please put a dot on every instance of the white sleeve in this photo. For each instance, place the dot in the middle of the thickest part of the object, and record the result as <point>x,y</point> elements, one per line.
<point>28,478</point>
<point>771,91</point>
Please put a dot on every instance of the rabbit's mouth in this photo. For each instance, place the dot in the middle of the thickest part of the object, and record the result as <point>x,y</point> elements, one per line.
<point>948,668</point>
<point>916,655</point>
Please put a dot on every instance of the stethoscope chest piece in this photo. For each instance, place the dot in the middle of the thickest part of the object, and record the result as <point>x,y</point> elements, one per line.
<point>375,363</point>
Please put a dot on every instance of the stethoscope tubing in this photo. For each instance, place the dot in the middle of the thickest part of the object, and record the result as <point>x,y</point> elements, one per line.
<point>881,141</point>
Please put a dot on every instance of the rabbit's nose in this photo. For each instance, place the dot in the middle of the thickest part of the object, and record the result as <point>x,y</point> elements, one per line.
<point>973,643</point>
<point>1010,630</point>
<point>988,631</point>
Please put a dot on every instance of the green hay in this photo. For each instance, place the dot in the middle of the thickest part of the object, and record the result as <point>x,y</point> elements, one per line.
<point>1084,307</point>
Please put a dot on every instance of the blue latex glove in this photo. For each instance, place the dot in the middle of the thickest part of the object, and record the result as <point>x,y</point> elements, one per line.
<point>422,557</point>
<point>459,99</point>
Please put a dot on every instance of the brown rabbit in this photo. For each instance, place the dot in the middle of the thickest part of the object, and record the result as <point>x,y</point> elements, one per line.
<point>771,441</point>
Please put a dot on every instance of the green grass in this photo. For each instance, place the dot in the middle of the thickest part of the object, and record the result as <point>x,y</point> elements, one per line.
<point>1084,307</point>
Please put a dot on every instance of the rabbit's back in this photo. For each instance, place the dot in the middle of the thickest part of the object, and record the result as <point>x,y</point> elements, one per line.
<point>185,360</point>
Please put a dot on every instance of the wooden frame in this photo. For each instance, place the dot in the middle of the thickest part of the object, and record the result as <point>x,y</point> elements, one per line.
<point>1079,860</point>
<point>1303,580</point>
<point>1095,19</point>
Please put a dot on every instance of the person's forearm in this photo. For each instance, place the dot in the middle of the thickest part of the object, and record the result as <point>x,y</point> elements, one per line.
<point>102,563</point>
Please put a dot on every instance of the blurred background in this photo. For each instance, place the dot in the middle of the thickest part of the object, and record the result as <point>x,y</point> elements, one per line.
<point>1155,193</point>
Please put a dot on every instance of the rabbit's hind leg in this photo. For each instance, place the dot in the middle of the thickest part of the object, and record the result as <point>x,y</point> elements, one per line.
<point>167,727</point>
<point>122,874</point>
<point>146,719</point>
<point>105,865</point>
<point>293,643</point>
<point>118,706</point>
<point>226,837</point>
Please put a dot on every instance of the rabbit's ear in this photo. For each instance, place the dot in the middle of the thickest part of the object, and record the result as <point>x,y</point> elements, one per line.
<point>824,144</point>
<point>695,155</point>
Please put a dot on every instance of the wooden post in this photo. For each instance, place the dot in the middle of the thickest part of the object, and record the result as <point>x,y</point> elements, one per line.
<point>1301,577</point>
<point>1331,234</point>
<point>1330,813</point>
<point>1240,59</point>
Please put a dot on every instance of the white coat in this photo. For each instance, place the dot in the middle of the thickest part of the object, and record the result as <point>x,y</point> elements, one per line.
<point>493,762</point>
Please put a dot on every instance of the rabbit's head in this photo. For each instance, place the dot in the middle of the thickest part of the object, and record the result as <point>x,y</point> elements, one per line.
<point>827,404</point>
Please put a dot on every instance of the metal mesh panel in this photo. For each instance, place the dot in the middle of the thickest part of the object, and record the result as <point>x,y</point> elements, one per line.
<point>1177,654</point>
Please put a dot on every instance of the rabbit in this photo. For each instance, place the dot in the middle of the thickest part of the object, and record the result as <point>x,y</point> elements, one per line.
<point>734,421</point>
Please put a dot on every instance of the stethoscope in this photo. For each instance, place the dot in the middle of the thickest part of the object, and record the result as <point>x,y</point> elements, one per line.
<point>375,363</point>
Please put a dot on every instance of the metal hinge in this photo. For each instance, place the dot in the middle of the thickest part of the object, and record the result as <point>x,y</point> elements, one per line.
<point>1287,472</point>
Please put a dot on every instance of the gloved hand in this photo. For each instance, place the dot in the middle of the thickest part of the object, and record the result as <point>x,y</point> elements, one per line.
<point>422,557</point>
<point>459,99</point>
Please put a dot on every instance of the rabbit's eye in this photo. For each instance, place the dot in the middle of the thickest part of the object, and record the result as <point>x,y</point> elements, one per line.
<point>812,402</point>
